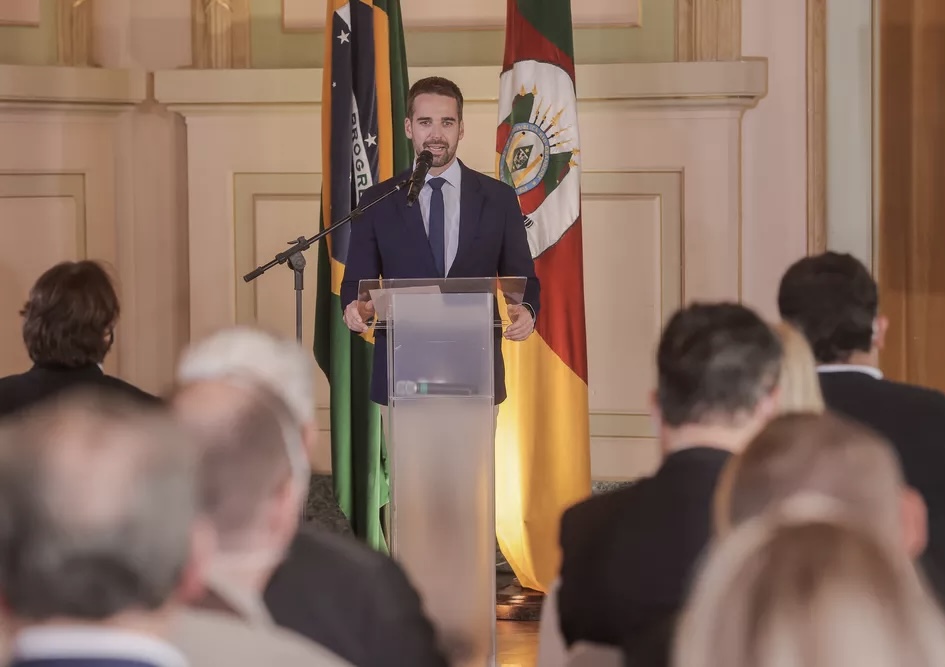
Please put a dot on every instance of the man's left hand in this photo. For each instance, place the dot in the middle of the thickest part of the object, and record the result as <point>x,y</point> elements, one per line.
<point>522,323</point>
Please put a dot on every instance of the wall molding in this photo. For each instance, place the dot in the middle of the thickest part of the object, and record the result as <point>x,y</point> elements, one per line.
<point>89,86</point>
<point>816,126</point>
<point>309,15</point>
<point>739,83</point>
<point>45,184</point>
<point>221,34</point>
<point>708,30</point>
<point>75,33</point>
<point>247,190</point>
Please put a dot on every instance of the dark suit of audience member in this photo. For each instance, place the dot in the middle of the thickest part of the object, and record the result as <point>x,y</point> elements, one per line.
<point>354,601</point>
<point>913,419</point>
<point>68,327</point>
<point>834,300</point>
<point>628,556</point>
<point>623,580</point>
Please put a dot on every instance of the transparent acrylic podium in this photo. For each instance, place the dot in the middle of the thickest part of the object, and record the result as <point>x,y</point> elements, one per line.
<point>440,430</point>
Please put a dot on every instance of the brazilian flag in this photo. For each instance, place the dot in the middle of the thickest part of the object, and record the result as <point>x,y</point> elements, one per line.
<point>364,93</point>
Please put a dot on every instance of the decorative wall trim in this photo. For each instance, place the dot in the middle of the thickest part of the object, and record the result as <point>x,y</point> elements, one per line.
<point>668,186</point>
<point>247,188</point>
<point>708,30</point>
<point>75,32</point>
<point>42,185</point>
<point>739,83</point>
<point>69,85</point>
<point>816,126</point>
<point>309,15</point>
<point>221,34</point>
<point>20,13</point>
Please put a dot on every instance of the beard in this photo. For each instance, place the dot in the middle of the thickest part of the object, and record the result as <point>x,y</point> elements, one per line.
<point>443,157</point>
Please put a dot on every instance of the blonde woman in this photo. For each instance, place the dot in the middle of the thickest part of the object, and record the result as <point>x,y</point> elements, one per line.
<point>799,385</point>
<point>808,592</point>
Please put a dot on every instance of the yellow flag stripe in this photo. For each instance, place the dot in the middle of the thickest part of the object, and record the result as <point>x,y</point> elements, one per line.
<point>385,120</point>
<point>541,466</point>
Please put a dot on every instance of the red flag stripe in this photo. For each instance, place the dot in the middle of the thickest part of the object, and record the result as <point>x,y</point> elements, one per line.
<point>560,270</point>
<point>524,42</point>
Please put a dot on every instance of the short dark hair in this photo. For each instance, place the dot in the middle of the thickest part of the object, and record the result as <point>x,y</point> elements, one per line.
<point>715,361</point>
<point>435,85</point>
<point>833,299</point>
<point>70,312</point>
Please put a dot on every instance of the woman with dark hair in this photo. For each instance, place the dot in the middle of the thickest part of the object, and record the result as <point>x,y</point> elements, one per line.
<point>68,327</point>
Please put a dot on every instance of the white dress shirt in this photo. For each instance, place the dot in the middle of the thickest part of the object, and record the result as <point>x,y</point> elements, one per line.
<point>451,189</point>
<point>851,368</point>
<point>52,642</point>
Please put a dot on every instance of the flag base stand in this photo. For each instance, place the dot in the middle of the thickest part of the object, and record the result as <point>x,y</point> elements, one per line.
<point>516,603</point>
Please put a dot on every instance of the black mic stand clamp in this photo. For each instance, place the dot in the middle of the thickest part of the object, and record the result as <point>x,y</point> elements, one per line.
<point>296,260</point>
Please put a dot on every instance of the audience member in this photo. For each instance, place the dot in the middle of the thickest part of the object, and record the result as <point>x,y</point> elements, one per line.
<point>68,327</point>
<point>97,533</point>
<point>253,476</point>
<point>830,456</point>
<point>833,299</point>
<point>807,589</point>
<point>798,386</point>
<point>330,588</point>
<point>628,555</point>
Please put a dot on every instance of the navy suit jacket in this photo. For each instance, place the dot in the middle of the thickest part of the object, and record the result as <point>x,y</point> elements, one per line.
<point>390,240</point>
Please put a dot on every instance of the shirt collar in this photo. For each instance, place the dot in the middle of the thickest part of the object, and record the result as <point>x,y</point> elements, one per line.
<point>452,174</point>
<point>872,371</point>
<point>248,605</point>
<point>65,641</point>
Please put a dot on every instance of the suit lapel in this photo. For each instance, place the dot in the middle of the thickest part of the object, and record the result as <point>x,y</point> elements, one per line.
<point>470,208</point>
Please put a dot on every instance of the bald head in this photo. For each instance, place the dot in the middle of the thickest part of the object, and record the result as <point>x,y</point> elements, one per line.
<point>252,454</point>
<point>97,503</point>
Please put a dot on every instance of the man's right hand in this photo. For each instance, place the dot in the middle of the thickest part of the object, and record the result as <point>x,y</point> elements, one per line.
<point>357,313</point>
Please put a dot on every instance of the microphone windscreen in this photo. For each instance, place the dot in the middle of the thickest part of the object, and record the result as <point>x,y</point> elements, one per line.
<point>425,157</point>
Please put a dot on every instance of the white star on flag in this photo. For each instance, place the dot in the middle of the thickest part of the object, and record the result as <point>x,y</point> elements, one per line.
<point>372,140</point>
<point>343,37</point>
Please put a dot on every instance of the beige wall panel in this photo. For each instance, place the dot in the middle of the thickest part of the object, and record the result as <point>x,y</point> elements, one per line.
<point>31,44</point>
<point>218,147</point>
<point>278,219</point>
<point>623,458</point>
<point>85,144</point>
<point>152,218</point>
<point>37,232</point>
<point>19,12</point>
<point>774,154</point>
<point>310,14</point>
<point>622,265</point>
<point>142,35</point>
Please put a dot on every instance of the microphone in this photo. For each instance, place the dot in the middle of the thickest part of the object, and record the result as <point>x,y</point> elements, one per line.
<point>419,176</point>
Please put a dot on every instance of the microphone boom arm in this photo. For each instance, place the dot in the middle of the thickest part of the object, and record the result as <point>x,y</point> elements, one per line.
<point>303,244</point>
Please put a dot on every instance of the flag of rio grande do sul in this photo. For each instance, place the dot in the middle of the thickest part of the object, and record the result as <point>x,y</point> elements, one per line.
<point>542,433</point>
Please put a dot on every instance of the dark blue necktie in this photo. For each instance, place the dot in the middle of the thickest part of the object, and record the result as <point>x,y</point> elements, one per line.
<point>437,222</point>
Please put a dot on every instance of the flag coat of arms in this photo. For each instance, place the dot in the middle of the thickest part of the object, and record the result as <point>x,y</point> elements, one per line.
<point>364,92</point>
<point>543,433</point>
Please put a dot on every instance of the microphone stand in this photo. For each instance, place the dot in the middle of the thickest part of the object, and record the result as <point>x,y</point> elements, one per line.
<point>296,260</point>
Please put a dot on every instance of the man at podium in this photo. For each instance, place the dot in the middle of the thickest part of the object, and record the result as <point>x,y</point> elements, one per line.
<point>454,223</point>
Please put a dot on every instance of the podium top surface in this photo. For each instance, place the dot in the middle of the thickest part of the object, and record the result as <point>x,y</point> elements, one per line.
<point>512,288</point>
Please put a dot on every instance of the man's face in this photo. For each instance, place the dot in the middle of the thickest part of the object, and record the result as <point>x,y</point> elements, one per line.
<point>435,126</point>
